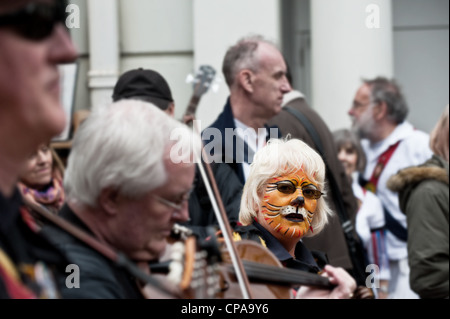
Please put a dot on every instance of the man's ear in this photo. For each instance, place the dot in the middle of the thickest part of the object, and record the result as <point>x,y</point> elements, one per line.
<point>171,109</point>
<point>245,78</point>
<point>109,200</point>
<point>380,110</point>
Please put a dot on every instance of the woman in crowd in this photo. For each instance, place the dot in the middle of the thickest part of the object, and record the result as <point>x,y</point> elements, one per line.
<point>283,201</point>
<point>41,181</point>
<point>424,198</point>
<point>370,217</point>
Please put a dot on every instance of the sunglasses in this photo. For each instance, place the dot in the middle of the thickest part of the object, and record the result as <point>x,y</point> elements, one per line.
<point>36,21</point>
<point>287,187</point>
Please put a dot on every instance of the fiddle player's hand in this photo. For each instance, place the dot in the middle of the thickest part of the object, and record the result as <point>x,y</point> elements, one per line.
<point>345,286</point>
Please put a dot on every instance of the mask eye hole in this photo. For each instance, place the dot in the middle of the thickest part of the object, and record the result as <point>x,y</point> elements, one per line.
<point>311,193</point>
<point>286,187</point>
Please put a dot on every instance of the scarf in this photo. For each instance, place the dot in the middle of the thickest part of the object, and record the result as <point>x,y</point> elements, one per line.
<point>52,197</point>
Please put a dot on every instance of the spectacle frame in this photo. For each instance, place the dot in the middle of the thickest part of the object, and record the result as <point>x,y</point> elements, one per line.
<point>287,187</point>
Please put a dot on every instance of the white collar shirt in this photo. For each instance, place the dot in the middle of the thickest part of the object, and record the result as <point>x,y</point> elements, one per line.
<point>255,140</point>
<point>413,150</point>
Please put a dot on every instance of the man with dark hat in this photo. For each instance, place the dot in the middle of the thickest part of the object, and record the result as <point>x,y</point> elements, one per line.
<point>147,85</point>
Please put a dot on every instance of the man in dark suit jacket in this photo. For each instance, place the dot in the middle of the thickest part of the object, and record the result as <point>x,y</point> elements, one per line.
<point>255,73</point>
<point>332,241</point>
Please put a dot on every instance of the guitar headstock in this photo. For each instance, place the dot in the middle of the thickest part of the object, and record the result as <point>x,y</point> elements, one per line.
<point>203,80</point>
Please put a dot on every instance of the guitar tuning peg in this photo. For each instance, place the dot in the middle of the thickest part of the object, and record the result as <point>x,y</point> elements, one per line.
<point>190,78</point>
<point>215,87</point>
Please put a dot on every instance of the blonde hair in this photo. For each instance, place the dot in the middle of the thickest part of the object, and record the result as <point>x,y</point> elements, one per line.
<point>282,157</point>
<point>439,139</point>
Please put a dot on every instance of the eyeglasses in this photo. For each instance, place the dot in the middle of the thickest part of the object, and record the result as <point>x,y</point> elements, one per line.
<point>357,105</point>
<point>177,205</point>
<point>35,21</point>
<point>287,187</point>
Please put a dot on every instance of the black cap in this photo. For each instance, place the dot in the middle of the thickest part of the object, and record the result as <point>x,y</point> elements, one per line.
<point>146,85</point>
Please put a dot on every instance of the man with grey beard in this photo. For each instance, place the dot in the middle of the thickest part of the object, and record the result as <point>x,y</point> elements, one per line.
<point>391,143</point>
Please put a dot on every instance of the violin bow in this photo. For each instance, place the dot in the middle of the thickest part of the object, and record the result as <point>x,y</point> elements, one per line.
<point>202,84</point>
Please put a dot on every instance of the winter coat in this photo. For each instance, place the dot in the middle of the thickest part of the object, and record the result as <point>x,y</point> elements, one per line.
<point>424,198</point>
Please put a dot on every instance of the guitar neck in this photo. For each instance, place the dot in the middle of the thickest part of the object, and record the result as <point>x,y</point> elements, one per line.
<point>192,106</point>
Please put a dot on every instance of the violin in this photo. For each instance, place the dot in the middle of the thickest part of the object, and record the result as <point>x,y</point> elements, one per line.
<point>159,288</point>
<point>192,268</point>
<point>269,279</point>
<point>203,82</point>
<point>203,270</point>
<point>254,268</point>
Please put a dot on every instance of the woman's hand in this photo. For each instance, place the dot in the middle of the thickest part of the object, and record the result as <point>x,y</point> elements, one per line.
<point>345,286</point>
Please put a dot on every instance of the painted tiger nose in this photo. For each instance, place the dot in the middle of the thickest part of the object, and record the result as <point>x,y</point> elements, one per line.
<point>299,201</point>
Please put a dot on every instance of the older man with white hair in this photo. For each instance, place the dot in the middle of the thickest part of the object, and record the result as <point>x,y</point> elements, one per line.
<point>127,184</point>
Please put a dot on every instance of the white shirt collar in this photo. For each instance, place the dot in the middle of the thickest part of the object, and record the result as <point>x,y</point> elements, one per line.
<point>292,95</point>
<point>255,140</point>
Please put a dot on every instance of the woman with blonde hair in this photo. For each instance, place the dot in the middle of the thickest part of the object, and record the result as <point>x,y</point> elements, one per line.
<point>283,201</point>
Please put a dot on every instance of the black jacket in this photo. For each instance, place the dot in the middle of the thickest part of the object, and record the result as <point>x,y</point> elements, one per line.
<point>201,212</point>
<point>305,259</point>
<point>29,250</point>
<point>221,149</point>
<point>99,277</point>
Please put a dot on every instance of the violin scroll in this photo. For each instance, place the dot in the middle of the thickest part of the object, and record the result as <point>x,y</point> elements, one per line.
<point>192,266</point>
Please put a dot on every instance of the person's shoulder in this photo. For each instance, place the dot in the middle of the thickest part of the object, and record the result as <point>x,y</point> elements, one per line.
<point>78,253</point>
<point>414,145</point>
<point>215,131</point>
<point>95,274</point>
<point>433,186</point>
<point>248,232</point>
<point>419,137</point>
<point>413,135</point>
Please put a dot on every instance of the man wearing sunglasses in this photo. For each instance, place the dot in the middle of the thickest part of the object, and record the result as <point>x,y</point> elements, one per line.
<point>283,202</point>
<point>33,41</point>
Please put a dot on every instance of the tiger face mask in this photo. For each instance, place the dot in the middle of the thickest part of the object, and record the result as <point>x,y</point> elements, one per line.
<point>288,206</point>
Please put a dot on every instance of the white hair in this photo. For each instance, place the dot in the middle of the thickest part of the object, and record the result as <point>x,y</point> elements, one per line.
<point>124,145</point>
<point>283,157</point>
